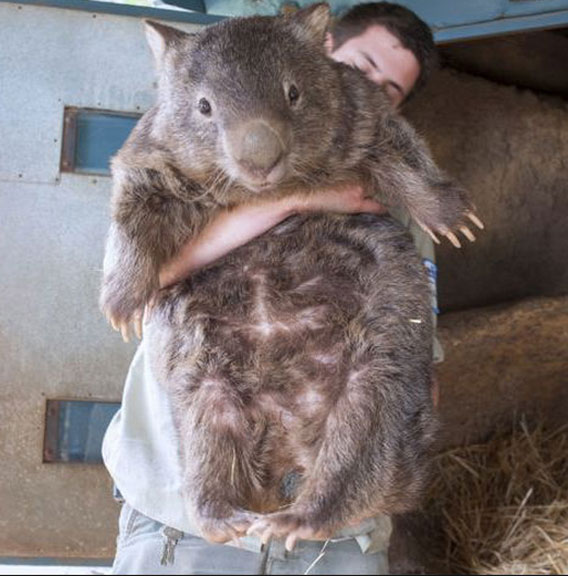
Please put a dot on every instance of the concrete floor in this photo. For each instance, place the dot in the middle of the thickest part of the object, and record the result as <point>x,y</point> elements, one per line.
<point>41,569</point>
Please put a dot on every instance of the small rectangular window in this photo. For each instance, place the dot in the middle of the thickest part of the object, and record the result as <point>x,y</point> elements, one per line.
<point>92,137</point>
<point>74,430</point>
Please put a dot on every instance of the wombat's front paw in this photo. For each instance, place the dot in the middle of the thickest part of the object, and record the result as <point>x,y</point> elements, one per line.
<point>291,525</point>
<point>221,530</point>
<point>122,325</point>
<point>454,212</point>
<point>122,312</point>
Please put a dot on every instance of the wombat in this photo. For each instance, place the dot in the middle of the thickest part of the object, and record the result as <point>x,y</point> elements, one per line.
<point>299,365</point>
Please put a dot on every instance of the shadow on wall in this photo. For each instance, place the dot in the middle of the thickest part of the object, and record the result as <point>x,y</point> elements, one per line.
<point>509,147</point>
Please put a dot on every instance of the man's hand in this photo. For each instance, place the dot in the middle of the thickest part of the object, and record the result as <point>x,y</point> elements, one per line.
<point>344,199</point>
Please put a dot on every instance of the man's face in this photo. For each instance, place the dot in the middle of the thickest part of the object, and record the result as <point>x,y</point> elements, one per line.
<point>383,59</point>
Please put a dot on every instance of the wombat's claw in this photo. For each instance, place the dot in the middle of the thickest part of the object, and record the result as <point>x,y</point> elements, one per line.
<point>124,332</point>
<point>138,326</point>
<point>119,326</point>
<point>432,235</point>
<point>452,238</point>
<point>475,220</point>
<point>288,525</point>
<point>265,533</point>
<point>467,233</point>
<point>222,533</point>
<point>123,326</point>
<point>228,529</point>
<point>428,231</point>
<point>450,235</point>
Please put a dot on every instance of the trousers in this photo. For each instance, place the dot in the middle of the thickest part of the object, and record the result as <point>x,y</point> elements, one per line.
<point>145,546</point>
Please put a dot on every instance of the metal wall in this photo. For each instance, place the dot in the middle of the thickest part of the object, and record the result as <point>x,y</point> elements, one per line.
<point>53,340</point>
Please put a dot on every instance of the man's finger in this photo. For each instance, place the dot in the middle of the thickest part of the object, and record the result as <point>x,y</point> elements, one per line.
<point>373,207</point>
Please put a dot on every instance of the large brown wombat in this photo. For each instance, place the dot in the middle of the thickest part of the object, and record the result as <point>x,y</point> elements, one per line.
<point>299,366</point>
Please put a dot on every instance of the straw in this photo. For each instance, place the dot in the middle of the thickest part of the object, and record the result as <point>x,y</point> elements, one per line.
<point>503,505</point>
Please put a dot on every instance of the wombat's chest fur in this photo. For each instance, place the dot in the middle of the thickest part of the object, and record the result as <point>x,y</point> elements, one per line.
<point>266,342</point>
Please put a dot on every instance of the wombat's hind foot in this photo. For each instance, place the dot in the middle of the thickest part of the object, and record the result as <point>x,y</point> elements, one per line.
<point>291,525</point>
<point>220,530</point>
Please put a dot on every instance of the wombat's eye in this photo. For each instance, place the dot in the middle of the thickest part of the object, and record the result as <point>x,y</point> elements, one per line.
<point>293,94</point>
<point>204,107</point>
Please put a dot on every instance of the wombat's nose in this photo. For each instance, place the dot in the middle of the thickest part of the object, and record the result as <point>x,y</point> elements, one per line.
<point>260,147</point>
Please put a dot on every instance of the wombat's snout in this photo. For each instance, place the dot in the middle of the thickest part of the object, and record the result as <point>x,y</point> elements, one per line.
<point>259,148</point>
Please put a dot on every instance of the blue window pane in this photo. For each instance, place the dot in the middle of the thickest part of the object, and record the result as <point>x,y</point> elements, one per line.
<point>99,136</point>
<point>75,430</point>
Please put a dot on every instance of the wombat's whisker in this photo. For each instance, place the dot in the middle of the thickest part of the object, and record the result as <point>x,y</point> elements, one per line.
<point>233,466</point>
<point>215,181</point>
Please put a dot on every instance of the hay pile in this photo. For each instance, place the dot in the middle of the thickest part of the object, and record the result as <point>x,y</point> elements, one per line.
<point>504,505</point>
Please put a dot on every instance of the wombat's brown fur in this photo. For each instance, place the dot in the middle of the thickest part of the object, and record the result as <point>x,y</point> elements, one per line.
<point>299,366</point>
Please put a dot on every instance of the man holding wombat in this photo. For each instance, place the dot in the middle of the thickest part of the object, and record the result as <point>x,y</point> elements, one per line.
<point>394,49</point>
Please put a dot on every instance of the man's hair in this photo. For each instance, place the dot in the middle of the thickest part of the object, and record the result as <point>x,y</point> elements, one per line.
<point>413,33</point>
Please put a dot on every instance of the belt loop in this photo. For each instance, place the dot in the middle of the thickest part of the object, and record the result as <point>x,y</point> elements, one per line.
<point>171,537</point>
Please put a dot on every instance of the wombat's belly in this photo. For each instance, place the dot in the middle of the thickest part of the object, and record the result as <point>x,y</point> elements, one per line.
<point>277,328</point>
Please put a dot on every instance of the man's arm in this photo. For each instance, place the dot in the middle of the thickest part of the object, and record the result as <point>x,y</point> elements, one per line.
<point>236,227</point>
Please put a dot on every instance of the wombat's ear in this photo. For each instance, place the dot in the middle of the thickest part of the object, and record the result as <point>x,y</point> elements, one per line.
<point>312,22</point>
<point>161,38</point>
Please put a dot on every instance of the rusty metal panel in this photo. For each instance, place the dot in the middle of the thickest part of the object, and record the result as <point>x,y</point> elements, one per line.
<point>54,342</point>
<point>53,58</point>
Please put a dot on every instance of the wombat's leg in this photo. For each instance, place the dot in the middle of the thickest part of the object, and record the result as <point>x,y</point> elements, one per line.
<point>407,175</point>
<point>149,225</point>
<point>218,460</point>
<point>373,457</point>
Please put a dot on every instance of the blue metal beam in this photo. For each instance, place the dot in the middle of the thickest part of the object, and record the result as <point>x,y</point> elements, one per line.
<point>502,26</point>
<point>451,20</point>
<point>195,5</point>
<point>125,10</point>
